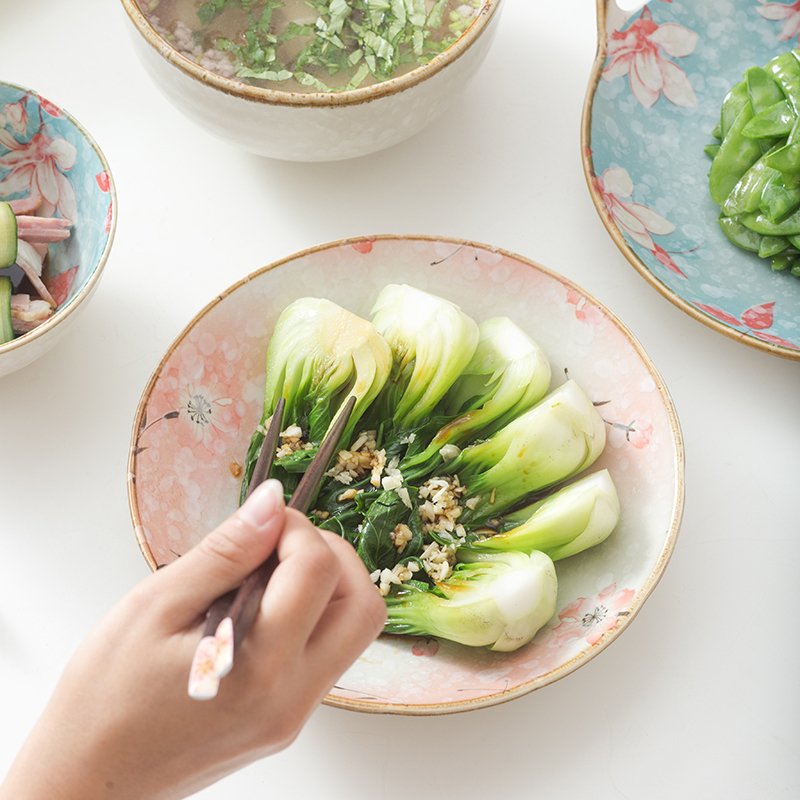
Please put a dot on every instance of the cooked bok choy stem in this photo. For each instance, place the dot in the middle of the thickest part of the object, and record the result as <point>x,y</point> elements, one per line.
<point>432,340</point>
<point>561,436</point>
<point>497,600</point>
<point>507,375</point>
<point>579,516</point>
<point>319,356</point>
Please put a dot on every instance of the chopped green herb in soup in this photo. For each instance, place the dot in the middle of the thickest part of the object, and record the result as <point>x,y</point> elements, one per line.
<point>311,45</point>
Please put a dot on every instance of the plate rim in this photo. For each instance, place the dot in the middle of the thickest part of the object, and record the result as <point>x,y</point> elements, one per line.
<point>617,237</point>
<point>553,675</point>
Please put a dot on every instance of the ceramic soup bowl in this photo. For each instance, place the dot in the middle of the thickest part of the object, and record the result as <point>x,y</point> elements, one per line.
<point>198,411</point>
<point>47,156</point>
<point>655,95</point>
<point>313,126</point>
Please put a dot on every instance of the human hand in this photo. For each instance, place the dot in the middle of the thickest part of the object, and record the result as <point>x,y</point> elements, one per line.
<point>120,723</point>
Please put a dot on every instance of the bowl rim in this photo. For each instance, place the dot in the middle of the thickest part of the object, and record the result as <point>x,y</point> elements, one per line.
<point>277,97</point>
<point>617,237</point>
<point>552,675</point>
<point>89,285</point>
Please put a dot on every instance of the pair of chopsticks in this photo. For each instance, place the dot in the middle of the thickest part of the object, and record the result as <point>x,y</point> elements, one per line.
<point>232,615</point>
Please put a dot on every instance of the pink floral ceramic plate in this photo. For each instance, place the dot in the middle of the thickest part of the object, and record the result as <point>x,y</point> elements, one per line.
<point>200,407</point>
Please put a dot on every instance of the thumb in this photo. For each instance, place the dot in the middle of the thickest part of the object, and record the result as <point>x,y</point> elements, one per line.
<point>226,556</point>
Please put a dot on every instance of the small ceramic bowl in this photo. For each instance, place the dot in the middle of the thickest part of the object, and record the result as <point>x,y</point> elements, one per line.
<point>315,126</point>
<point>196,416</point>
<point>45,152</point>
<point>655,95</point>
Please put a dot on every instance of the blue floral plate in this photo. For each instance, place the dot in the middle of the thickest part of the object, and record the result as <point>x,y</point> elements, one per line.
<point>654,97</point>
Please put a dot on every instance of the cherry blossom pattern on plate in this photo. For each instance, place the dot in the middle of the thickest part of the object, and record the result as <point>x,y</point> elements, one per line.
<point>588,618</point>
<point>643,52</point>
<point>585,310</point>
<point>755,321</point>
<point>635,220</point>
<point>788,13</point>
<point>638,433</point>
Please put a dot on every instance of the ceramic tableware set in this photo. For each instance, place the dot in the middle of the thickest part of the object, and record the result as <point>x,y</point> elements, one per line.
<point>643,155</point>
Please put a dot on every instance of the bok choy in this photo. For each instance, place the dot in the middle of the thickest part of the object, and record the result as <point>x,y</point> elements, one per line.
<point>498,600</point>
<point>459,479</point>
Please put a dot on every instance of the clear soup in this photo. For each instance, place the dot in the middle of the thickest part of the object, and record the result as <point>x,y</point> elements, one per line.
<point>311,45</point>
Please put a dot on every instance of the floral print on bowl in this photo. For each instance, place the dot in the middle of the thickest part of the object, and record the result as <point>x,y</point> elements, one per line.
<point>196,416</point>
<point>50,163</point>
<point>657,88</point>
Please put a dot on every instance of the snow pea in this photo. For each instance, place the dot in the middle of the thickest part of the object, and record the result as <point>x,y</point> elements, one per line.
<point>759,223</point>
<point>736,155</point>
<point>763,92</point>
<point>775,120</point>
<point>782,262</point>
<point>772,246</point>
<point>746,194</point>
<point>777,200</point>
<point>740,235</point>
<point>785,69</point>
<point>762,89</point>
<point>755,166</point>
<point>786,159</point>
<point>734,102</point>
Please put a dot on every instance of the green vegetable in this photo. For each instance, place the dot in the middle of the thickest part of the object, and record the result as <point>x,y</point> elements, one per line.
<point>498,600</point>
<point>782,262</point>
<point>778,200</point>
<point>775,120</point>
<point>6,326</point>
<point>740,235</point>
<point>573,519</point>
<point>319,355</point>
<point>432,341</point>
<point>555,440</point>
<point>508,374</point>
<point>755,168</point>
<point>452,429</point>
<point>8,236</point>
<point>375,545</point>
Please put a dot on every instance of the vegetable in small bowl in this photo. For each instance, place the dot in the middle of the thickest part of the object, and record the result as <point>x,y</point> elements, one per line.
<point>312,81</point>
<point>667,77</point>
<point>196,420</point>
<point>57,221</point>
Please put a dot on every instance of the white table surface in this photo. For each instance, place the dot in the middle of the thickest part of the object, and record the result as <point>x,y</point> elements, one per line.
<point>699,698</point>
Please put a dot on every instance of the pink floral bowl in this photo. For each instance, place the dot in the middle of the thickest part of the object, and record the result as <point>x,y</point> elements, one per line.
<point>204,399</point>
<point>48,160</point>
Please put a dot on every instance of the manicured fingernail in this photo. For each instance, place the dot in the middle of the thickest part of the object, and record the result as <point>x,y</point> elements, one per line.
<point>262,504</point>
